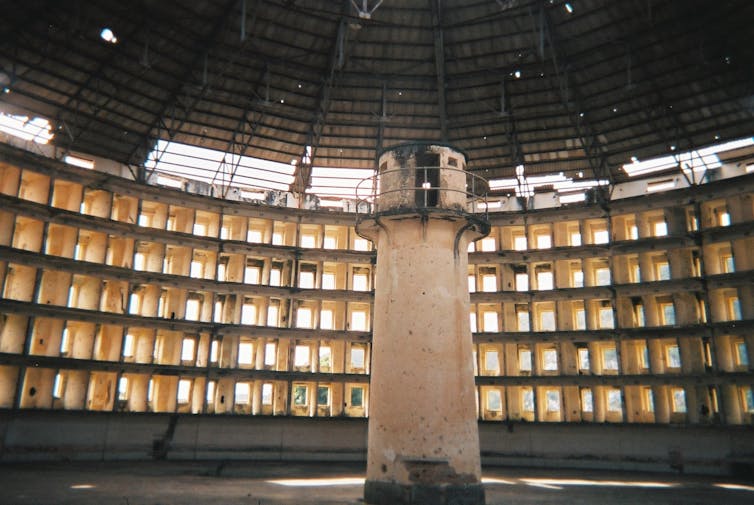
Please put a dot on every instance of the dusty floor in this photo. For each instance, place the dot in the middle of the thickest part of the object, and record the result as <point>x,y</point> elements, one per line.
<point>210,483</point>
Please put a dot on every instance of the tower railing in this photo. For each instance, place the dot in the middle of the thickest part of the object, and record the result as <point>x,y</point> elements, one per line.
<point>424,192</point>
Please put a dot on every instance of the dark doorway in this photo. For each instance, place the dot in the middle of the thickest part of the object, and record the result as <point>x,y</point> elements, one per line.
<point>427,179</point>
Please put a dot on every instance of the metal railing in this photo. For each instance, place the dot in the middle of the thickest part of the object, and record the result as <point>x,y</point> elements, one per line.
<point>425,193</point>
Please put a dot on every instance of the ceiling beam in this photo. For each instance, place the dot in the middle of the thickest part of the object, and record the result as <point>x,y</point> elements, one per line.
<point>146,143</point>
<point>570,95</point>
<point>302,176</point>
<point>439,41</point>
<point>237,148</point>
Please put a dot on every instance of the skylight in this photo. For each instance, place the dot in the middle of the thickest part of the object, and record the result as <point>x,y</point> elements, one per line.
<point>340,182</point>
<point>697,160</point>
<point>252,175</point>
<point>569,189</point>
<point>36,129</point>
<point>216,167</point>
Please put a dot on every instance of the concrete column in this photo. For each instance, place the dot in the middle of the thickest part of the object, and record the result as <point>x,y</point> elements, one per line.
<point>423,441</point>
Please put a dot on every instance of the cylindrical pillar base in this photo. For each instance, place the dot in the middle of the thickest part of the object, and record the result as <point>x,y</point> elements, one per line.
<point>392,493</point>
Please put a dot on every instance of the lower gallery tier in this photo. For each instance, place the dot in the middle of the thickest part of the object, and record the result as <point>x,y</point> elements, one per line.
<point>81,436</point>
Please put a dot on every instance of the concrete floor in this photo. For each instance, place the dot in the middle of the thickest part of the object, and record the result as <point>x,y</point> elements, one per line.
<point>210,483</point>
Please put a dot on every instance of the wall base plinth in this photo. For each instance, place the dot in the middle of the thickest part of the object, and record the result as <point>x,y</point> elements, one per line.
<point>394,493</point>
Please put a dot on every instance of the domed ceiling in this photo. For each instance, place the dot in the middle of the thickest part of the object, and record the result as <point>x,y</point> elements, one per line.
<point>576,87</point>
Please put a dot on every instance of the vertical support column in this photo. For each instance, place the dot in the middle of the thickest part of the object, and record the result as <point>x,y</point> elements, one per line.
<point>423,434</point>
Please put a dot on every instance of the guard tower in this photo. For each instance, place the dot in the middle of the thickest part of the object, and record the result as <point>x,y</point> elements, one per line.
<point>423,434</point>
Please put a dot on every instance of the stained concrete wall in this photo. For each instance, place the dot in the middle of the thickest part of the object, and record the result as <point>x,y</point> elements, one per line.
<point>40,436</point>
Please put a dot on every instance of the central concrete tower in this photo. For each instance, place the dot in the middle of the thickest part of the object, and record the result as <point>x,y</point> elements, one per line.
<point>423,434</point>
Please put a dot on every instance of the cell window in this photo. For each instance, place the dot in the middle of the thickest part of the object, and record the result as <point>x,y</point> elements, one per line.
<point>580,319</point>
<point>308,241</point>
<point>601,237</point>
<point>301,355</point>
<point>242,393</point>
<point>266,394</point>
<point>587,401</point>
<point>358,355</point>
<point>614,400</point>
<point>300,395</point>
<point>609,358</point>
<point>584,358</point>
<point>323,396</point>
<point>489,244</point>
<point>491,361</point>
<point>673,354</point>
<point>197,270</point>
<point>663,271</point>
<point>648,400</point>
<point>252,274</point>
<point>358,320</point>
<point>494,400</point>
<point>275,277</point>
<point>330,242</point>
<point>210,397</point>
<point>245,353</point>
<point>270,354</point>
<point>360,282</point>
<point>249,313</point>
<point>544,241</point>
<point>304,317</point>
<point>550,360</point>
<point>254,236</point>
<point>123,389</point>
<point>660,229</point>
<point>59,386</point>
<point>602,276</point>
<point>128,346</point>
<point>527,400</point>
<point>734,308</point>
<point>679,400</point>
<point>184,390</point>
<point>577,279</point>
<point>328,280</point>
<point>357,397</point>
<point>193,308</point>
<point>489,283</point>
<point>524,360</point>
<point>326,319</point>
<point>306,279</point>
<point>747,396</point>
<point>547,320</point>
<point>522,319</point>
<point>727,264</point>
<point>214,349</point>
<point>606,318</point>
<point>188,348</point>
<point>667,310</point>
<point>544,280</point>
<point>552,400</point>
<point>490,321</point>
<point>741,353</point>
<point>520,243</point>
<point>325,358</point>
<point>633,232</point>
